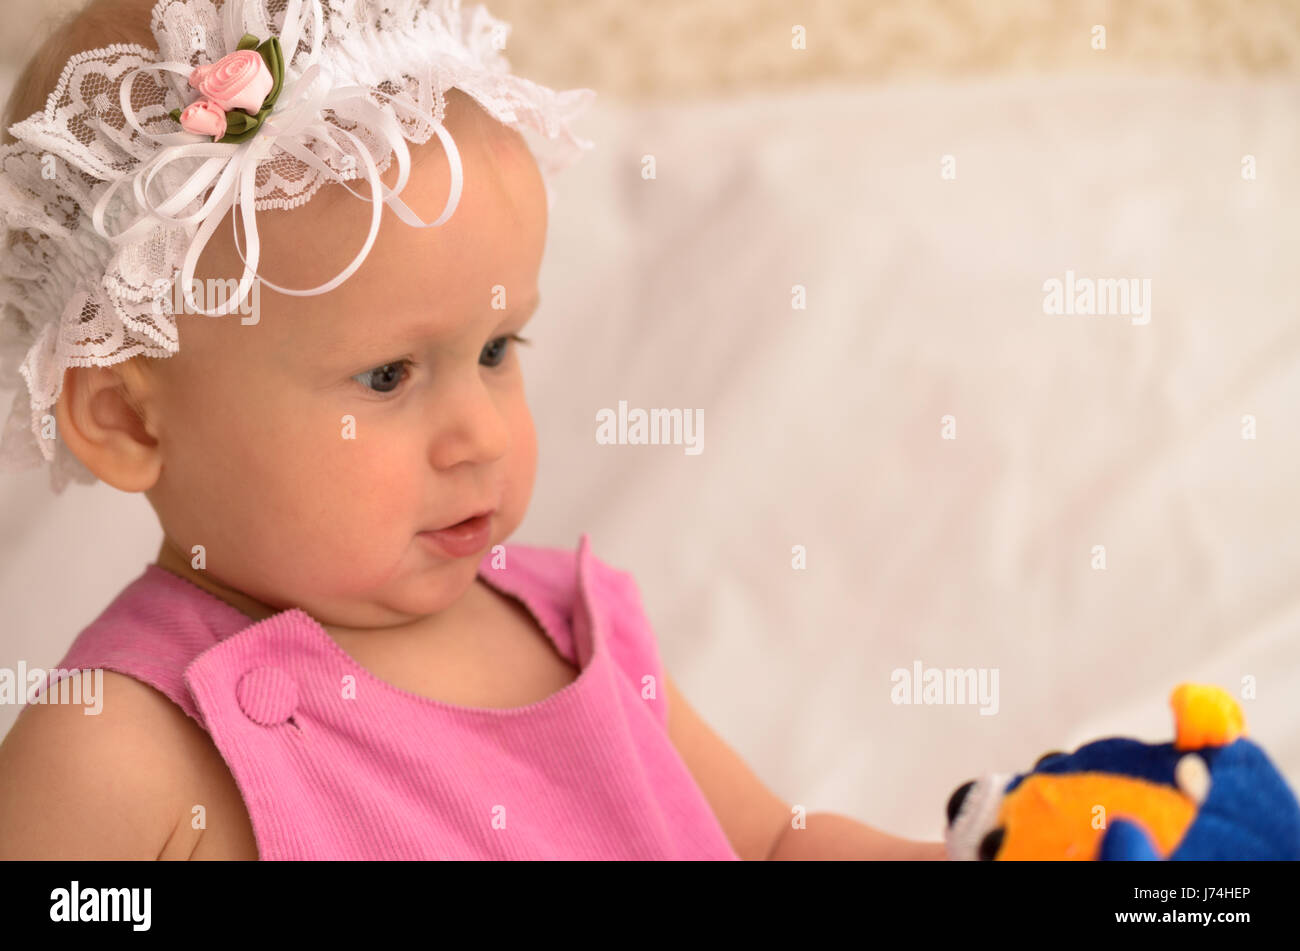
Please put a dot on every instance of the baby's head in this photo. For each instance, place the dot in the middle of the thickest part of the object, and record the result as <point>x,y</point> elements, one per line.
<point>306,451</point>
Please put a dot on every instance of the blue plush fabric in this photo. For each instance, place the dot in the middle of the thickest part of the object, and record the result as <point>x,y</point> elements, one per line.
<point>1250,812</point>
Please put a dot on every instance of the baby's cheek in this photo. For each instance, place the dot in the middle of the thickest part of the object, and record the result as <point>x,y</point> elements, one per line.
<point>332,485</point>
<point>367,484</point>
<point>522,465</point>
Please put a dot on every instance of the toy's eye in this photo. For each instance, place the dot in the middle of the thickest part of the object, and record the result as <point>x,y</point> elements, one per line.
<point>957,798</point>
<point>973,814</point>
<point>1046,756</point>
<point>990,844</point>
<point>1192,776</point>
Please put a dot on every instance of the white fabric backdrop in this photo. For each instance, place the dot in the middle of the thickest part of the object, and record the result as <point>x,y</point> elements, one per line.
<point>822,426</point>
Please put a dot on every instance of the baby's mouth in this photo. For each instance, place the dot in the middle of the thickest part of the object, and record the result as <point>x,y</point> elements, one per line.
<point>484,513</point>
<point>464,538</point>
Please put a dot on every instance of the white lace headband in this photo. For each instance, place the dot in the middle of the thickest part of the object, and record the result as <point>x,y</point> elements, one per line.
<point>117,185</point>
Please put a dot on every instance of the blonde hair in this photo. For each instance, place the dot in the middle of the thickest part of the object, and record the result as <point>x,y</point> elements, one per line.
<point>98,23</point>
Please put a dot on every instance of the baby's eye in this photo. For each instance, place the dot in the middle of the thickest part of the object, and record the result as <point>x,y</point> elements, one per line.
<point>386,378</point>
<point>496,350</point>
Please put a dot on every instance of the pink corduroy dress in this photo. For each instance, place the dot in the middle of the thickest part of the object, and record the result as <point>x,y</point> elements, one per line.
<point>334,763</point>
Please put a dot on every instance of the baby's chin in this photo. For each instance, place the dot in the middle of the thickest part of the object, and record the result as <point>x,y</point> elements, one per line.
<point>422,589</point>
<point>399,605</point>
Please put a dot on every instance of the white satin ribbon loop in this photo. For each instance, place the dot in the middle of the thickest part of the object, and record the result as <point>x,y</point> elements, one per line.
<point>229,170</point>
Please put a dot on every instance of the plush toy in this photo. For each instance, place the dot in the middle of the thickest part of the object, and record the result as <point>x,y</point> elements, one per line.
<point>1210,794</point>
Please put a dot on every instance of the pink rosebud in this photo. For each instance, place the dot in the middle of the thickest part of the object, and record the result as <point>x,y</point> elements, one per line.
<point>204,117</point>
<point>238,81</point>
<point>198,74</point>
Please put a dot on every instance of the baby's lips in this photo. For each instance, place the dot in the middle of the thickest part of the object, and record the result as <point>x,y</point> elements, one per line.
<point>474,514</point>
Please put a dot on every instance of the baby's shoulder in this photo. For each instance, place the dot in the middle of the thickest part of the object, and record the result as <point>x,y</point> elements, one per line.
<point>108,779</point>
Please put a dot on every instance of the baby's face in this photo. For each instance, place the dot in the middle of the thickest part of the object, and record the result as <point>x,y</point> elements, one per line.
<point>308,451</point>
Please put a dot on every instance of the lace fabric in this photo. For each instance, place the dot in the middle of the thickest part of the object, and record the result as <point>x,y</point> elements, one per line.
<point>70,296</point>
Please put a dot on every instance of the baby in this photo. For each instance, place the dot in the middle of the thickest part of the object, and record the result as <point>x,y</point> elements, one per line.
<point>335,654</point>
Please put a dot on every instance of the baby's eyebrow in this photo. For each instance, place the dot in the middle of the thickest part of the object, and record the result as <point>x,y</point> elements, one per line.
<point>337,347</point>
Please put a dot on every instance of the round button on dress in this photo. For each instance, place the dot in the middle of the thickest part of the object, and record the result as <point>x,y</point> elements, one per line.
<point>267,695</point>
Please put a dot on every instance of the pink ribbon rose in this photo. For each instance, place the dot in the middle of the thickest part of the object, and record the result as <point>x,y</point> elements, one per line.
<point>204,117</point>
<point>238,81</point>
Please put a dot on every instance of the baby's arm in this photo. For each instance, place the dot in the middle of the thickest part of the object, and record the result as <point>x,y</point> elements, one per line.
<point>105,786</point>
<point>757,822</point>
<point>831,836</point>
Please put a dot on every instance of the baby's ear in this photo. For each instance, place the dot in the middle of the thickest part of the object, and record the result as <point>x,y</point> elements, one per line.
<point>101,419</point>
